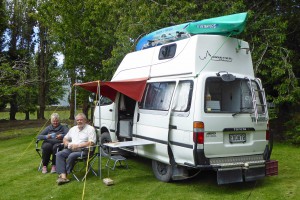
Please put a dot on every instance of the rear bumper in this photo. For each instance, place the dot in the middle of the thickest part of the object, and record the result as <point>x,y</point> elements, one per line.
<point>240,169</point>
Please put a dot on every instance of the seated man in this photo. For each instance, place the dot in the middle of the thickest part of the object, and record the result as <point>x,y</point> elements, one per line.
<point>82,135</point>
<point>53,137</point>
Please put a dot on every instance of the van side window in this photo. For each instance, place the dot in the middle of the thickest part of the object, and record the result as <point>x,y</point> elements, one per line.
<point>167,51</point>
<point>183,96</point>
<point>105,101</point>
<point>157,96</point>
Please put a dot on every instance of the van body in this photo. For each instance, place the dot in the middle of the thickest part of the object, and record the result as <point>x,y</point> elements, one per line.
<point>202,108</point>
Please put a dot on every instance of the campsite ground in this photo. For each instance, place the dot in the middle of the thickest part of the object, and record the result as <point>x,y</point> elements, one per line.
<point>21,180</point>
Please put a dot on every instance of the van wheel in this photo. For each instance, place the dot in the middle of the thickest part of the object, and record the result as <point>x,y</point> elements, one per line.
<point>105,138</point>
<point>162,172</point>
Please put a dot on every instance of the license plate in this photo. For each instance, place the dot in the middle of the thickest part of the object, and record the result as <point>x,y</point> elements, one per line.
<point>237,138</point>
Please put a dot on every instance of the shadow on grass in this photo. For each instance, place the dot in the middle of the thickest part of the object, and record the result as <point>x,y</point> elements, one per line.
<point>207,178</point>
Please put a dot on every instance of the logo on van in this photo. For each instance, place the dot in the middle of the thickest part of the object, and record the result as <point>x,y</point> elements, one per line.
<point>211,134</point>
<point>216,58</point>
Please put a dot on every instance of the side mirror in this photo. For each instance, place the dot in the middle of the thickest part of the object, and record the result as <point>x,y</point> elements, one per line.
<point>91,98</point>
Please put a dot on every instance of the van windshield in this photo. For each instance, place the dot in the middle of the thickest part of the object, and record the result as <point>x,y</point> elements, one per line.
<point>232,96</point>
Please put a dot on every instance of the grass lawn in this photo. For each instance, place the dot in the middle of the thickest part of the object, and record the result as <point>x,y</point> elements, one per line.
<point>21,180</point>
<point>63,113</point>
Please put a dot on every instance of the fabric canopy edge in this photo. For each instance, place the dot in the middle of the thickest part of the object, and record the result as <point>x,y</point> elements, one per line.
<point>133,88</point>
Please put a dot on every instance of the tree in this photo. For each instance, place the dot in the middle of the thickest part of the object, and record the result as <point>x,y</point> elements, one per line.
<point>20,72</point>
<point>83,35</point>
<point>3,22</point>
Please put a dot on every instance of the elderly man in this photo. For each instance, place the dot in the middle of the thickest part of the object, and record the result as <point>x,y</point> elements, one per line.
<point>82,135</point>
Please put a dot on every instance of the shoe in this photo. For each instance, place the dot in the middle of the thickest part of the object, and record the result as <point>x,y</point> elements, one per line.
<point>44,170</point>
<point>61,181</point>
<point>53,169</point>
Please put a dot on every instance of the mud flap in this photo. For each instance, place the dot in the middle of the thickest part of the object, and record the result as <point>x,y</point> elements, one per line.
<point>229,176</point>
<point>179,173</point>
<point>253,174</point>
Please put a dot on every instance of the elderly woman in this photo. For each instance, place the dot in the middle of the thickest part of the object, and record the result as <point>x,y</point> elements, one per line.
<point>53,136</point>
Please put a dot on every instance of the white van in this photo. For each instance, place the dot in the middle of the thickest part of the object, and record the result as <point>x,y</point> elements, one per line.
<point>200,105</point>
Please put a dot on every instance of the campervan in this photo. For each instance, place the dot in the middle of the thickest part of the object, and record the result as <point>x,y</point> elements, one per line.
<point>197,104</point>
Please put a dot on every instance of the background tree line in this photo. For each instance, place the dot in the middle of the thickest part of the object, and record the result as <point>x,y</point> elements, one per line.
<point>94,36</point>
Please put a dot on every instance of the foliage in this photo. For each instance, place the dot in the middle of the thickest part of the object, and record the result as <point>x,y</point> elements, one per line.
<point>292,126</point>
<point>95,35</point>
<point>3,22</point>
<point>271,57</point>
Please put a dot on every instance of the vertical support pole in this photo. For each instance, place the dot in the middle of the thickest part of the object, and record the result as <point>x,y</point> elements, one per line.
<point>75,104</point>
<point>99,148</point>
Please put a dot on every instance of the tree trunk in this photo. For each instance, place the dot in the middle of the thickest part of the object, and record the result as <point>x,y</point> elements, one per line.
<point>72,100</point>
<point>42,70</point>
<point>85,108</point>
<point>13,108</point>
<point>27,115</point>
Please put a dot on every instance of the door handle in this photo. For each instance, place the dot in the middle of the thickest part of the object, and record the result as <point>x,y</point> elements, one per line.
<point>138,117</point>
<point>172,126</point>
<point>110,110</point>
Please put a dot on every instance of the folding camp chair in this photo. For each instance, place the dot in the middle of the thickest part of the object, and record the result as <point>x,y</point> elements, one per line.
<point>38,149</point>
<point>84,163</point>
<point>116,159</point>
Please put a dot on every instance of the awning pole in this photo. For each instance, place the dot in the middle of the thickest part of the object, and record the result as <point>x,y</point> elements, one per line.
<point>75,104</point>
<point>100,156</point>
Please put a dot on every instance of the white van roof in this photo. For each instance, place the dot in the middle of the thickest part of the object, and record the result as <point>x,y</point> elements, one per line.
<point>194,55</point>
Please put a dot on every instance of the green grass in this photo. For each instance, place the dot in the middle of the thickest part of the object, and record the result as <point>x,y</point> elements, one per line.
<point>63,113</point>
<point>21,180</point>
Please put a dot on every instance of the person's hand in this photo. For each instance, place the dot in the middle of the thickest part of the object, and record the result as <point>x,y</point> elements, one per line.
<point>66,144</point>
<point>59,137</point>
<point>73,146</point>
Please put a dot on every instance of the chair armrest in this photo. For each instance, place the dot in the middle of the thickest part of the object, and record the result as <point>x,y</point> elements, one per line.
<point>37,144</point>
<point>60,147</point>
<point>92,149</point>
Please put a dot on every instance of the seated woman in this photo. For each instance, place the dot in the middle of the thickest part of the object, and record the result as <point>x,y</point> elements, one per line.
<point>53,136</point>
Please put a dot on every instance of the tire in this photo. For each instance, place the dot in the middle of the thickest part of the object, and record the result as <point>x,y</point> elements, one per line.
<point>162,172</point>
<point>105,138</point>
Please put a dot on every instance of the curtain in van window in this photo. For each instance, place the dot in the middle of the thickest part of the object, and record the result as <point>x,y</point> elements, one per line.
<point>166,96</point>
<point>182,96</point>
<point>122,103</point>
<point>246,96</point>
